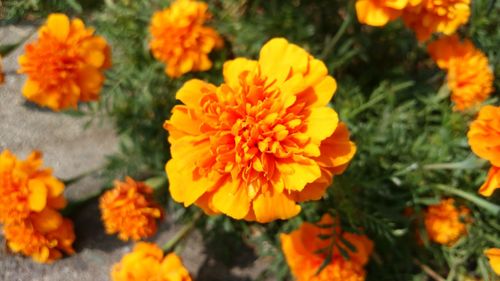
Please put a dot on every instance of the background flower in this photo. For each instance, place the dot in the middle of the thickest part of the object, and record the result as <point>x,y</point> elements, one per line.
<point>251,146</point>
<point>445,223</point>
<point>65,65</point>
<point>380,12</point>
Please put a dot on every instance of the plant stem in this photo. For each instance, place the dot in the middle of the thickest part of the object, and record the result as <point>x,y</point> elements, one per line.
<point>335,39</point>
<point>76,178</point>
<point>429,271</point>
<point>480,202</point>
<point>181,234</point>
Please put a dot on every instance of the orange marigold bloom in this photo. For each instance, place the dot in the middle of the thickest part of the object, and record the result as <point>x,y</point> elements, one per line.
<point>65,65</point>
<point>431,16</point>
<point>44,236</point>
<point>445,223</point>
<point>180,38</point>
<point>484,134</point>
<point>262,141</point>
<point>129,210</point>
<point>380,12</point>
<point>146,263</point>
<point>470,78</point>
<point>305,252</point>
<point>493,255</point>
<point>26,187</point>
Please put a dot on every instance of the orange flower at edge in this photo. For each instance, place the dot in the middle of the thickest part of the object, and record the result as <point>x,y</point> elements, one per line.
<point>302,249</point>
<point>180,39</point>
<point>262,141</point>
<point>65,65</point>
<point>2,75</point>
<point>484,134</point>
<point>380,12</point>
<point>129,210</point>
<point>146,262</point>
<point>445,223</point>
<point>493,255</point>
<point>492,182</point>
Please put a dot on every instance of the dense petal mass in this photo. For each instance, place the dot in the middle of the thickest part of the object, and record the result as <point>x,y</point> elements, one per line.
<point>305,252</point>
<point>249,147</point>
<point>180,38</point>
<point>379,12</point>
<point>429,16</point>
<point>146,263</point>
<point>129,210</point>
<point>65,65</point>
<point>470,78</point>
<point>445,223</point>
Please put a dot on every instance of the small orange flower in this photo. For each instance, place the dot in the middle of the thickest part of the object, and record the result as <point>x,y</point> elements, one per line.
<point>262,141</point>
<point>180,38</point>
<point>445,223</point>
<point>380,12</point>
<point>65,65</point>
<point>128,209</point>
<point>43,236</point>
<point>25,187</point>
<point>146,263</point>
<point>493,255</point>
<point>305,252</point>
<point>470,78</point>
<point>484,134</point>
<point>431,16</point>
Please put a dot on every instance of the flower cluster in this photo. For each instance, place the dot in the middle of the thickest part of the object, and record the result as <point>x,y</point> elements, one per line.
<point>483,135</point>
<point>65,65</point>
<point>423,16</point>
<point>129,210</point>
<point>445,223</point>
<point>493,255</point>
<point>30,198</point>
<point>262,141</point>
<point>306,249</point>
<point>181,39</point>
<point>470,78</point>
<point>146,262</point>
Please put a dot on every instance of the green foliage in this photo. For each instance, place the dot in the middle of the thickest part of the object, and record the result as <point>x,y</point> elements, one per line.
<point>410,143</point>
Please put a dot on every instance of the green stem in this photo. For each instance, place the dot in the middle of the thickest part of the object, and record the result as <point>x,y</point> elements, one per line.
<point>76,178</point>
<point>182,233</point>
<point>335,39</point>
<point>480,202</point>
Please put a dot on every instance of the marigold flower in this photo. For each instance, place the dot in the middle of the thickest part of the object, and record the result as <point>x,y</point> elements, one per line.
<point>26,187</point>
<point>65,65</point>
<point>445,223</point>
<point>262,141</point>
<point>493,255</point>
<point>146,263</point>
<point>44,236</point>
<point>129,210</point>
<point>305,247</point>
<point>470,78</point>
<point>430,16</point>
<point>380,12</point>
<point>484,134</point>
<point>180,38</point>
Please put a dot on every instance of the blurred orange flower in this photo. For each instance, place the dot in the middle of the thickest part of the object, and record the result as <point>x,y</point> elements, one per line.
<point>129,210</point>
<point>304,250</point>
<point>180,38</point>
<point>380,12</point>
<point>65,65</point>
<point>492,182</point>
<point>26,187</point>
<point>146,262</point>
<point>484,134</point>
<point>262,141</point>
<point>470,78</point>
<point>43,236</point>
<point>493,255</point>
<point>445,223</point>
<point>431,16</point>
<point>2,75</point>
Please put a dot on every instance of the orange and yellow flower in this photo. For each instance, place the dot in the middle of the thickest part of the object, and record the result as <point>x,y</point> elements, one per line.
<point>30,198</point>
<point>262,141</point>
<point>306,249</point>
<point>484,140</point>
<point>380,12</point>
<point>65,65</point>
<point>470,78</point>
<point>493,255</point>
<point>129,210</point>
<point>429,16</point>
<point>146,263</point>
<point>445,223</point>
<point>181,39</point>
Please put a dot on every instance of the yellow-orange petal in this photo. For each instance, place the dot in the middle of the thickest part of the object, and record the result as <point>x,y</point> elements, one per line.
<point>491,183</point>
<point>493,255</point>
